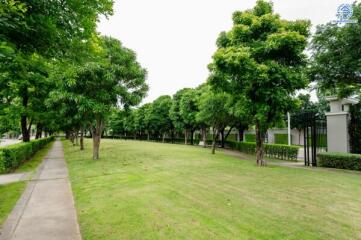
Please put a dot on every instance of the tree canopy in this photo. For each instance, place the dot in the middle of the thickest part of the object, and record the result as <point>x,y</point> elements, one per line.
<point>335,56</point>
<point>261,60</point>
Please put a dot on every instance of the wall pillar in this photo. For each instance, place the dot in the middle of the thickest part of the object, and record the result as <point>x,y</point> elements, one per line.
<point>337,124</point>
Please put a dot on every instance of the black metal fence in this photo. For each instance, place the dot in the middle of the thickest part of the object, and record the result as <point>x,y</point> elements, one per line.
<point>314,127</point>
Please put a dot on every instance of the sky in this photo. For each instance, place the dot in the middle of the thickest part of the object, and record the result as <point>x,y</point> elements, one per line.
<point>175,39</point>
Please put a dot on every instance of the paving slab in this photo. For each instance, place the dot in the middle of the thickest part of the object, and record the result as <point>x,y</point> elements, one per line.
<point>14,177</point>
<point>46,209</point>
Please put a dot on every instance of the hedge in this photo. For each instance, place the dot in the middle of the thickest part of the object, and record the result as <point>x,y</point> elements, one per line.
<point>281,138</point>
<point>249,137</point>
<point>340,160</point>
<point>278,151</point>
<point>11,157</point>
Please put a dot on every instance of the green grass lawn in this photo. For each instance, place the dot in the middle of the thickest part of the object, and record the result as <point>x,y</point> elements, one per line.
<point>141,190</point>
<point>9,195</point>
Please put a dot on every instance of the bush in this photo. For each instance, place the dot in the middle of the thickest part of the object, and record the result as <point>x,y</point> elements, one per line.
<point>340,160</point>
<point>278,151</point>
<point>281,138</point>
<point>249,137</point>
<point>11,157</point>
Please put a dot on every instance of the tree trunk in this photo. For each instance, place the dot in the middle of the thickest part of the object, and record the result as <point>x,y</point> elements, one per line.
<point>229,132</point>
<point>240,133</point>
<point>97,131</point>
<point>215,135</point>
<point>39,131</point>
<point>163,138</point>
<point>172,135</point>
<point>148,137</point>
<point>222,138</point>
<point>82,138</point>
<point>185,137</point>
<point>76,138</point>
<point>192,136</point>
<point>96,145</point>
<point>204,137</point>
<point>24,127</point>
<point>72,137</point>
<point>259,145</point>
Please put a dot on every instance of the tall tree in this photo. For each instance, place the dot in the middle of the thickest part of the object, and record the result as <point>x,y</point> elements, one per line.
<point>188,109</point>
<point>160,114</point>
<point>262,60</point>
<point>175,113</point>
<point>113,78</point>
<point>214,110</point>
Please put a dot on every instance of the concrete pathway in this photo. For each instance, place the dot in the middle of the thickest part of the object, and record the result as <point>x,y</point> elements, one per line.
<point>13,177</point>
<point>246,157</point>
<point>46,209</point>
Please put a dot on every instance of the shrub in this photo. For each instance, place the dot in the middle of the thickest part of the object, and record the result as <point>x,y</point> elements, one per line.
<point>249,137</point>
<point>340,160</point>
<point>281,138</point>
<point>278,151</point>
<point>11,157</point>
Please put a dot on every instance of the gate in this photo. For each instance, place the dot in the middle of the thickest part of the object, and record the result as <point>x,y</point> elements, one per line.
<point>314,128</point>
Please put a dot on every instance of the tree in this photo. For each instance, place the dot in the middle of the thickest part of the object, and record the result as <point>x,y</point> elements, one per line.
<point>261,60</point>
<point>27,86</point>
<point>175,114</point>
<point>214,110</point>
<point>335,56</point>
<point>188,109</point>
<point>113,78</point>
<point>29,41</point>
<point>160,115</point>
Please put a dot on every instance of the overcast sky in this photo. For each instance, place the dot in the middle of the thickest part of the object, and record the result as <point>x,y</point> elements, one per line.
<point>175,39</point>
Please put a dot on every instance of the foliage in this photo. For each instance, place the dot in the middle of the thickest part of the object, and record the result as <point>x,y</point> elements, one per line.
<point>281,138</point>
<point>11,157</point>
<point>261,61</point>
<point>335,56</point>
<point>112,79</point>
<point>175,114</point>
<point>160,114</point>
<point>250,137</point>
<point>214,110</point>
<point>279,151</point>
<point>340,160</point>
<point>9,195</point>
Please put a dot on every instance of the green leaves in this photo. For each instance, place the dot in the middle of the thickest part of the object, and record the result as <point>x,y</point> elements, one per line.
<point>335,57</point>
<point>261,59</point>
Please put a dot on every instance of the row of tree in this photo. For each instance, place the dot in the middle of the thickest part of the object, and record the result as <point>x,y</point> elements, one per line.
<point>181,115</point>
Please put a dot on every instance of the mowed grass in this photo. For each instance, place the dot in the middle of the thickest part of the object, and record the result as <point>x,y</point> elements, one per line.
<point>9,195</point>
<point>142,190</point>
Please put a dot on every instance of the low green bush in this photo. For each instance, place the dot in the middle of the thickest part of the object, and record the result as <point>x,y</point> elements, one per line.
<point>11,157</point>
<point>278,151</point>
<point>249,137</point>
<point>281,138</point>
<point>340,160</point>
